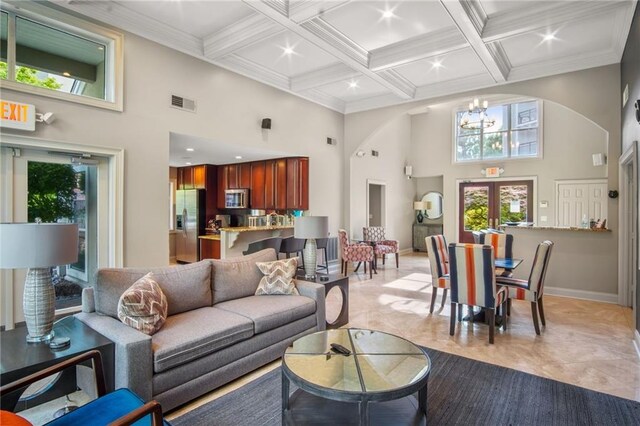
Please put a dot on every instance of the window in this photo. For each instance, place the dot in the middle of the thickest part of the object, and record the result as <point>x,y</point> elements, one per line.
<point>46,52</point>
<point>516,133</point>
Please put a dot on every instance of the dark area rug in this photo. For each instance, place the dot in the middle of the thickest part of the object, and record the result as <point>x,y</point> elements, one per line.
<point>461,391</point>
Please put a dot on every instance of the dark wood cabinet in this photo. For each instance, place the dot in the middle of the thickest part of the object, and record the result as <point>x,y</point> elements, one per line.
<point>275,190</point>
<point>209,249</point>
<point>238,176</point>
<point>298,183</point>
<point>185,178</point>
<point>257,188</point>
<point>199,176</point>
<point>194,177</point>
<point>222,185</point>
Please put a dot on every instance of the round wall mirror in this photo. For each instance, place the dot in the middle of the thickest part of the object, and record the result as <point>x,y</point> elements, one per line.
<point>433,202</point>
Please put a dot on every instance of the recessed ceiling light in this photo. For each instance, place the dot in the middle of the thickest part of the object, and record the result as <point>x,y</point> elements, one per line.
<point>387,13</point>
<point>437,64</point>
<point>190,149</point>
<point>66,74</point>
<point>288,50</point>
<point>353,84</point>
<point>549,37</point>
<point>188,163</point>
<point>238,157</point>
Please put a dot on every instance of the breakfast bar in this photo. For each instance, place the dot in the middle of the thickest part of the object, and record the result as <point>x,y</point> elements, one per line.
<point>233,241</point>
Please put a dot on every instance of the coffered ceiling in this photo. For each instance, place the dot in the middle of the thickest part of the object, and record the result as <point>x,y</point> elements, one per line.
<point>357,55</point>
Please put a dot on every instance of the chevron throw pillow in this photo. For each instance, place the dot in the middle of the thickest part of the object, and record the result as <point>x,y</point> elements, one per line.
<point>143,306</point>
<point>278,277</point>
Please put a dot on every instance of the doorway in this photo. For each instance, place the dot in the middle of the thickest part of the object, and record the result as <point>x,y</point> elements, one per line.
<point>489,204</point>
<point>376,203</point>
<point>628,215</point>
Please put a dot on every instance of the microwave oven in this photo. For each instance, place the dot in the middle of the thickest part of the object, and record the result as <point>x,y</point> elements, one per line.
<point>236,199</point>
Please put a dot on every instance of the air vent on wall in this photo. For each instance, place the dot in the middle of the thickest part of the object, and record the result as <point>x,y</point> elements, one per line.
<point>183,103</point>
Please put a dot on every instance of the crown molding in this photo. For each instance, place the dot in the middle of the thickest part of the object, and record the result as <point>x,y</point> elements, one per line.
<point>622,27</point>
<point>320,77</point>
<point>282,6</point>
<point>544,15</point>
<point>395,78</point>
<point>244,33</point>
<point>255,71</point>
<point>329,101</point>
<point>129,20</point>
<point>416,48</point>
<point>564,65</point>
<point>305,10</point>
<point>500,57</point>
<point>467,17</point>
<point>337,40</point>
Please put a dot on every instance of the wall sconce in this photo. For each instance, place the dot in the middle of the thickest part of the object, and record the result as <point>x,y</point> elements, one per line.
<point>46,117</point>
<point>360,153</point>
<point>408,171</point>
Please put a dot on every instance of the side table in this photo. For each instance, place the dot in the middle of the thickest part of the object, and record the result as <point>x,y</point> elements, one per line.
<point>334,280</point>
<point>19,359</point>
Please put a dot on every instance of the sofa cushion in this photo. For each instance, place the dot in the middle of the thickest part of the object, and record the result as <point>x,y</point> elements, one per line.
<point>237,277</point>
<point>186,287</point>
<point>143,306</point>
<point>278,277</point>
<point>269,312</point>
<point>191,335</point>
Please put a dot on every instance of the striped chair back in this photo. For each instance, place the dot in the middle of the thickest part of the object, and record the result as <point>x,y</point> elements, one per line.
<point>539,267</point>
<point>502,244</point>
<point>472,275</point>
<point>438,255</point>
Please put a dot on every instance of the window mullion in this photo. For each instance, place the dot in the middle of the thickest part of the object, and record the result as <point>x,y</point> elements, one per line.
<point>509,123</point>
<point>481,143</point>
<point>11,47</point>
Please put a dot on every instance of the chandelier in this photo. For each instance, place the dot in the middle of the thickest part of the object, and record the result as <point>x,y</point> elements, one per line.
<point>476,116</point>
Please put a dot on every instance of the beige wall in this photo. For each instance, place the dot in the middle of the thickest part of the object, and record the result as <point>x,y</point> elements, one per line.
<point>425,185</point>
<point>582,117</point>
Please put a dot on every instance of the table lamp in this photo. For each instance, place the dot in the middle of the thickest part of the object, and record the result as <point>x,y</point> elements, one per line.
<point>310,228</point>
<point>38,246</point>
<point>419,206</point>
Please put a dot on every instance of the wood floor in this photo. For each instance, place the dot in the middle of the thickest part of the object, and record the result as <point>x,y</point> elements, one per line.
<point>588,344</point>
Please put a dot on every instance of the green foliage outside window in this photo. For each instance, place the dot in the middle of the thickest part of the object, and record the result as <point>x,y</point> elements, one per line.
<point>29,76</point>
<point>51,191</point>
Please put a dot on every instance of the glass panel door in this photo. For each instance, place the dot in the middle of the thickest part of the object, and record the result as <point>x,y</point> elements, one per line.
<point>475,208</point>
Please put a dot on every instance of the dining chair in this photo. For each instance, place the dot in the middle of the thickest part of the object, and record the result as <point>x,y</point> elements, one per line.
<point>321,245</point>
<point>295,246</point>
<point>532,289</point>
<point>439,261</point>
<point>478,236</point>
<point>473,283</point>
<point>356,252</point>
<point>502,248</point>
<point>265,243</point>
<point>383,246</point>
<point>118,408</point>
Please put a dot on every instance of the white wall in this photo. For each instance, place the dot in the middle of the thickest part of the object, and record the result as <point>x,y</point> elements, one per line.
<point>393,142</point>
<point>425,185</point>
<point>230,108</point>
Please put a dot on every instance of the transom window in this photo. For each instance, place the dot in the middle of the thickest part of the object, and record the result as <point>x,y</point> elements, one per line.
<point>46,52</point>
<point>516,133</point>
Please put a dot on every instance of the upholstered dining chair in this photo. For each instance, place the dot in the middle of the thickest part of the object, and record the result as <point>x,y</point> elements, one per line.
<point>502,248</point>
<point>439,261</point>
<point>532,289</point>
<point>118,408</point>
<point>383,246</point>
<point>473,283</point>
<point>356,252</point>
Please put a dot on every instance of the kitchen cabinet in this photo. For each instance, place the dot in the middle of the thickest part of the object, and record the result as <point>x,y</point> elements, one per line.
<point>275,188</point>
<point>185,178</point>
<point>209,249</point>
<point>238,176</point>
<point>257,188</point>
<point>297,183</point>
<point>193,177</point>
<point>222,185</point>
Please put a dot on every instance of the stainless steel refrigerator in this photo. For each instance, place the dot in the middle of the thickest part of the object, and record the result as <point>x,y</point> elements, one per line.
<point>190,222</point>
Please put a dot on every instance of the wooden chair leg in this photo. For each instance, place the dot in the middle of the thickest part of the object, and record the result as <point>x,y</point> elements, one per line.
<point>541,310</point>
<point>434,294</point>
<point>534,314</point>
<point>371,270</point>
<point>504,309</point>
<point>444,296</point>
<point>492,323</point>
<point>509,307</point>
<point>459,313</point>
<point>384,259</point>
<point>397,260</point>
<point>452,322</point>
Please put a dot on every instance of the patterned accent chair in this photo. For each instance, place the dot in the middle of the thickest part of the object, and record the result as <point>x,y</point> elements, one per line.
<point>383,246</point>
<point>356,252</point>
<point>473,283</point>
<point>439,261</point>
<point>502,247</point>
<point>533,288</point>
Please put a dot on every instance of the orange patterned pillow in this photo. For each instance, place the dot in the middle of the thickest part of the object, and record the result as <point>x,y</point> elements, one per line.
<point>143,306</point>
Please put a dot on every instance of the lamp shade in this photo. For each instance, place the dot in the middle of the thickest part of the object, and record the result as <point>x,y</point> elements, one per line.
<point>38,245</point>
<point>311,227</point>
<point>419,205</point>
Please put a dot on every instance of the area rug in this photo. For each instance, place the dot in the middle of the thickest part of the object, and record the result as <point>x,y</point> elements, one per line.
<point>461,391</point>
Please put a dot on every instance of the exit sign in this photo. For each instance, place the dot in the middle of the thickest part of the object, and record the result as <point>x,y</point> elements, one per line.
<point>492,172</point>
<point>15,115</point>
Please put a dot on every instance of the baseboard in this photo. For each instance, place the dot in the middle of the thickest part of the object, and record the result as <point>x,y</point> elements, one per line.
<point>636,341</point>
<point>172,260</point>
<point>406,251</point>
<point>582,294</point>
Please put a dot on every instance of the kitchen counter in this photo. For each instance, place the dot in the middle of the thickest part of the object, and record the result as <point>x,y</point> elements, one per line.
<point>214,237</point>
<point>256,228</point>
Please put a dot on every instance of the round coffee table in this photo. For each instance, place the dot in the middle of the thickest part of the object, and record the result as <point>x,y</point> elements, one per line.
<point>381,367</point>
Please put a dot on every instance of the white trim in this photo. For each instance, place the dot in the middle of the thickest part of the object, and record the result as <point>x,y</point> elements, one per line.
<point>116,183</point>
<point>582,294</point>
<point>636,341</point>
<point>510,178</point>
<point>626,236</point>
<point>558,182</point>
<point>383,196</point>
<point>405,251</point>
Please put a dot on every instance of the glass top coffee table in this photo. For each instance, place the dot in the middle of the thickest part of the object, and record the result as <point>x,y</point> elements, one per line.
<point>381,367</point>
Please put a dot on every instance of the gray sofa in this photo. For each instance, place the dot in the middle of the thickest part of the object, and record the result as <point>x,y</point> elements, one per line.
<point>216,329</point>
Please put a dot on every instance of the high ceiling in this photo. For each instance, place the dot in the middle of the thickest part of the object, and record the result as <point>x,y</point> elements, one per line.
<point>357,55</point>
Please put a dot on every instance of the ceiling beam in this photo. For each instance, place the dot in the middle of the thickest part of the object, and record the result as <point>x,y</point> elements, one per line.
<point>470,20</point>
<point>544,15</point>
<point>239,35</point>
<point>321,34</point>
<point>305,10</point>
<point>327,75</point>
<point>416,48</point>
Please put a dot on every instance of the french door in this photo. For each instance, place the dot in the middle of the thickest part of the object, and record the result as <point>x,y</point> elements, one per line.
<point>490,204</point>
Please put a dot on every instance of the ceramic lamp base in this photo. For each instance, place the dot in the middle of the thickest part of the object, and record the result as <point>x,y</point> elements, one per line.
<point>420,217</point>
<point>39,305</point>
<point>310,254</point>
